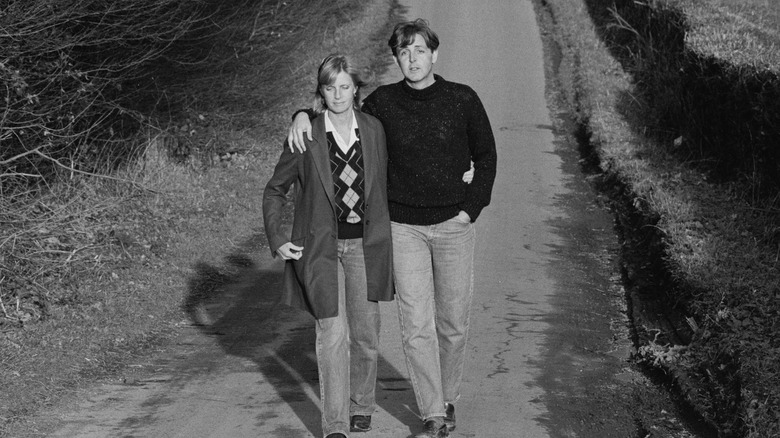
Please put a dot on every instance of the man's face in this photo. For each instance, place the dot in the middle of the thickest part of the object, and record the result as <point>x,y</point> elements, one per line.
<point>416,62</point>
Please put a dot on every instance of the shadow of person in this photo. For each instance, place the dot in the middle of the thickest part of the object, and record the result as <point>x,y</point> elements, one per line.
<point>394,394</point>
<point>237,303</point>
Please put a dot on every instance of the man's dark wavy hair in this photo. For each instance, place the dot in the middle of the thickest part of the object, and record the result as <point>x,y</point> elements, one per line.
<point>404,33</point>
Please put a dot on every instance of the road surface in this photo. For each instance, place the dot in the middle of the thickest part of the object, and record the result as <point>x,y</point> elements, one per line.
<point>544,314</point>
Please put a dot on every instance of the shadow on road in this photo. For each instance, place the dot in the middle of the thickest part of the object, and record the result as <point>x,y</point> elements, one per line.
<point>237,303</point>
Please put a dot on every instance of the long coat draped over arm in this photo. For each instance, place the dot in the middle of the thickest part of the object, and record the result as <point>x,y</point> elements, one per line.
<point>311,283</point>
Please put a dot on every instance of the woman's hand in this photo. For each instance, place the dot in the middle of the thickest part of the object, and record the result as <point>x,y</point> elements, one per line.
<point>463,217</point>
<point>290,251</point>
<point>469,175</point>
<point>301,125</point>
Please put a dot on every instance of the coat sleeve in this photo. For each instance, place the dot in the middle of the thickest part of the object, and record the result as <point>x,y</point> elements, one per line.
<point>275,197</point>
<point>368,105</point>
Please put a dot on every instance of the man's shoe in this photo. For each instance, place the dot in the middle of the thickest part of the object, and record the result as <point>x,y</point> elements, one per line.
<point>434,428</point>
<point>449,416</point>
<point>336,435</point>
<point>360,423</point>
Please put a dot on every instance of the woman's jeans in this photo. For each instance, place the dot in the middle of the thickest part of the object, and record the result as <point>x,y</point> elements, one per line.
<point>433,267</point>
<point>347,345</point>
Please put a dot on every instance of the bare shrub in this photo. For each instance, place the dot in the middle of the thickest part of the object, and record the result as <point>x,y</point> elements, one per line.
<point>71,71</point>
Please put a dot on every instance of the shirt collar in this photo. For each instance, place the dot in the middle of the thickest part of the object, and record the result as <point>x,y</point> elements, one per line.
<point>340,141</point>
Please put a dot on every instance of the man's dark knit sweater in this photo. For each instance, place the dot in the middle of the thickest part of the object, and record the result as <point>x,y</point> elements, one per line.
<point>433,134</point>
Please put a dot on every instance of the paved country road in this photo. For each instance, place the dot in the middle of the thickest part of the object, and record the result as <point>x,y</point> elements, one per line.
<point>549,341</point>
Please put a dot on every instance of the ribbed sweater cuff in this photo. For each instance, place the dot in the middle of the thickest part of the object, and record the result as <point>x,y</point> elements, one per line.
<point>421,215</point>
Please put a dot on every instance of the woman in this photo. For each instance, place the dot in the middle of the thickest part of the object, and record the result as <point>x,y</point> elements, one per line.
<point>339,254</point>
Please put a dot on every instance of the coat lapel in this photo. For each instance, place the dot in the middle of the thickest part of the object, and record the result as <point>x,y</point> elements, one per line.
<point>319,152</point>
<point>369,153</point>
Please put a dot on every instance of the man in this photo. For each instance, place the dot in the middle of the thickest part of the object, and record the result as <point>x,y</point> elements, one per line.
<point>435,129</point>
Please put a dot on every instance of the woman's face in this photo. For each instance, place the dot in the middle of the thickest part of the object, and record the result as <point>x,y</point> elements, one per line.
<point>339,95</point>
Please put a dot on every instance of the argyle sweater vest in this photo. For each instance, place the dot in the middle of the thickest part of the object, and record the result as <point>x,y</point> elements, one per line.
<point>349,183</point>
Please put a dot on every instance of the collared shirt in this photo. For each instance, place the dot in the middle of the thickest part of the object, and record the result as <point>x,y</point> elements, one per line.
<point>344,146</point>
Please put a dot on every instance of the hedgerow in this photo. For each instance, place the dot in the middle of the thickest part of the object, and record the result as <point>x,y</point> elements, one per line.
<point>79,84</point>
<point>73,72</point>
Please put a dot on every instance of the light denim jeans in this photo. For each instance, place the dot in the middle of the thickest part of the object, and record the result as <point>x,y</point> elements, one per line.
<point>347,345</point>
<point>434,277</point>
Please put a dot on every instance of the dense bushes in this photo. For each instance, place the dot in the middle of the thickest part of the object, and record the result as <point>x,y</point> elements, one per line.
<point>73,72</point>
<point>79,80</point>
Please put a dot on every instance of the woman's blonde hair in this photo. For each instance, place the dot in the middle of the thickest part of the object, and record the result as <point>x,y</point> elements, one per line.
<point>330,67</point>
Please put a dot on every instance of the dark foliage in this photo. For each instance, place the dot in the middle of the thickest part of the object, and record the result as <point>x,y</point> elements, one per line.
<point>77,74</point>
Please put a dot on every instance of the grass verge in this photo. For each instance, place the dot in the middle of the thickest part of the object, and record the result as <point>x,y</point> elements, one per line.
<point>702,249</point>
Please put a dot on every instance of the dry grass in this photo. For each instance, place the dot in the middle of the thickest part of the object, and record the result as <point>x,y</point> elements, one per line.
<point>738,31</point>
